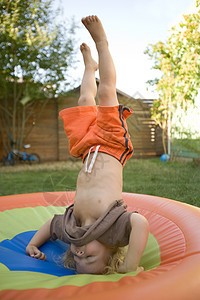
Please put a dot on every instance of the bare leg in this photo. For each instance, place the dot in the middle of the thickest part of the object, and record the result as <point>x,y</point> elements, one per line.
<point>88,86</point>
<point>107,95</point>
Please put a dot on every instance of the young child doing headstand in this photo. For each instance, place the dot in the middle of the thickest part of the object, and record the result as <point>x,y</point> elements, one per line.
<point>97,224</point>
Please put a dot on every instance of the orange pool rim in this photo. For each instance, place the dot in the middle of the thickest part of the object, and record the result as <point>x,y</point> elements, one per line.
<point>176,227</point>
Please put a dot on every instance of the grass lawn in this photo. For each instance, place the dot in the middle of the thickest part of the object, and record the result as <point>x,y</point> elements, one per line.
<point>175,180</point>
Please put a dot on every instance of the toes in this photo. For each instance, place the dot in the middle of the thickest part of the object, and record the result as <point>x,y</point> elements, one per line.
<point>83,20</point>
<point>84,46</point>
<point>89,19</point>
<point>95,19</point>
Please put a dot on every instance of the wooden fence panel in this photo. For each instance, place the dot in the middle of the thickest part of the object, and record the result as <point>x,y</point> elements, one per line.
<point>45,132</point>
<point>143,130</point>
<point>43,136</point>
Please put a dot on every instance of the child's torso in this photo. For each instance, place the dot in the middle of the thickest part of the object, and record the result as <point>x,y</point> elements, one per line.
<point>97,190</point>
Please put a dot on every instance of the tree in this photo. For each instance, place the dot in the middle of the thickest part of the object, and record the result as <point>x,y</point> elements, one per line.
<point>35,54</point>
<point>179,62</point>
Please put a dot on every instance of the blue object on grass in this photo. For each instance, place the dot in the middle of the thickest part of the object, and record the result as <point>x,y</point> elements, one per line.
<point>165,157</point>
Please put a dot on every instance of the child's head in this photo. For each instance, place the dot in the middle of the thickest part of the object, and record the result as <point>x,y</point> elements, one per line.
<point>94,258</point>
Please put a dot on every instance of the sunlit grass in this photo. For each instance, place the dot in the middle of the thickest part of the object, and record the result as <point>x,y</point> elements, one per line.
<point>175,180</point>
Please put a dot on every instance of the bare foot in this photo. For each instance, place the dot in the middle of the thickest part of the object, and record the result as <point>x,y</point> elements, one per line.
<point>95,28</point>
<point>87,57</point>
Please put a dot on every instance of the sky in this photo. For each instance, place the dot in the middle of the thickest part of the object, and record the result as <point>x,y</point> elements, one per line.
<point>130,25</point>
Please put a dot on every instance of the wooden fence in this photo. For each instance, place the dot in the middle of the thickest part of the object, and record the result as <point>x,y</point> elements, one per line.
<point>44,129</point>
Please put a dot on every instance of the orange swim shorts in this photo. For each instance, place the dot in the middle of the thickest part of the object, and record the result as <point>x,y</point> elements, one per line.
<point>88,126</point>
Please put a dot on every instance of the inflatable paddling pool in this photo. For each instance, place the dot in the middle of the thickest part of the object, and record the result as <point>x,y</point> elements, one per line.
<point>171,260</point>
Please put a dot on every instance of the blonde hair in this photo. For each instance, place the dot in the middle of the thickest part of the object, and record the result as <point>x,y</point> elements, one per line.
<point>115,260</point>
<point>68,260</point>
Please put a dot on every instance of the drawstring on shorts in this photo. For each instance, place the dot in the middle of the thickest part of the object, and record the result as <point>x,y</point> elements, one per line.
<point>89,170</point>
